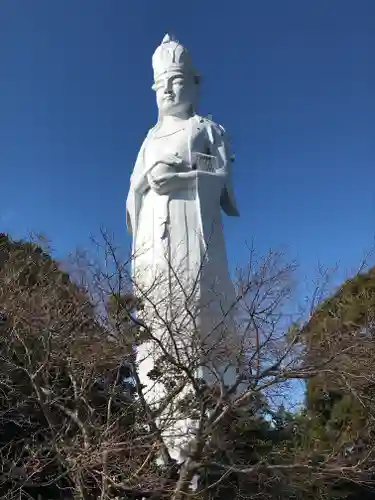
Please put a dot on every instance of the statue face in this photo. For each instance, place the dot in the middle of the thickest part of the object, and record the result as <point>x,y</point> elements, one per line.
<point>176,94</point>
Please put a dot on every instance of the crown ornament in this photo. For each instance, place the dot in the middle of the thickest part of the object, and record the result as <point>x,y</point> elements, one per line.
<point>171,56</point>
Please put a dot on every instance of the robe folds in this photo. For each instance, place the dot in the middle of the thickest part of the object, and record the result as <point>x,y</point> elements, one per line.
<point>180,267</point>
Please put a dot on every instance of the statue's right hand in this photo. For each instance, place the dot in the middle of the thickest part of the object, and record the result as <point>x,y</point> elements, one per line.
<point>160,169</point>
<point>168,165</point>
<point>162,184</point>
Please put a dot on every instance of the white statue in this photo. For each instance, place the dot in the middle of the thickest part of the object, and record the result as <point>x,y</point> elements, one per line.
<point>180,183</point>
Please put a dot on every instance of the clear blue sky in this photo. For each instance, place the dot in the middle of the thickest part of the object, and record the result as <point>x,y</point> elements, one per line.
<point>292,81</point>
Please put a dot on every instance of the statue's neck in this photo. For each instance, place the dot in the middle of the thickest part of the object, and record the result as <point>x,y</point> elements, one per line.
<point>171,120</point>
<point>170,124</point>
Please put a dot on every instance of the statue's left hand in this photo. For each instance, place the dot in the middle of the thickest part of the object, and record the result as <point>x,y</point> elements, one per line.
<point>172,159</point>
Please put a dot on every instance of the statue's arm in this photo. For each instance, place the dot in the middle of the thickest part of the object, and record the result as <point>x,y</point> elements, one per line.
<point>169,182</point>
<point>141,185</point>
<point>129,224</point>
<point>220,149</point>
<point>138,186</point>
<point>182,180</point>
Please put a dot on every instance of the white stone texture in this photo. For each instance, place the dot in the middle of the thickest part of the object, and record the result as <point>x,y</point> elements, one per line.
<point>180,184</point>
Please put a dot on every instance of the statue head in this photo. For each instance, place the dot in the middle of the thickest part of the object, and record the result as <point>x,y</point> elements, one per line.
<point>176,81</point>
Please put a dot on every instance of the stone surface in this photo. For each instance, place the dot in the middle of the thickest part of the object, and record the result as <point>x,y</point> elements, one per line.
<point>180,184</point>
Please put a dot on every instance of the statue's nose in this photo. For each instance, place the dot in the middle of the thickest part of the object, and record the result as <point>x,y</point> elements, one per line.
<point>168,86</point>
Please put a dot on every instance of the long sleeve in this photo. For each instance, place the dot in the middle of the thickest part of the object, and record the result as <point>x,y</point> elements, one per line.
<point>133,201</point>
<point>219,148</point>
<point>137,181</point>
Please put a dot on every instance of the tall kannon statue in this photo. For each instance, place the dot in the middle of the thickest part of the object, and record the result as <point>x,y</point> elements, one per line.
<point>181,182</point>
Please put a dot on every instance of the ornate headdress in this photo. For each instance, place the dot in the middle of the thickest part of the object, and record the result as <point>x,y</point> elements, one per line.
<point>172,56</point>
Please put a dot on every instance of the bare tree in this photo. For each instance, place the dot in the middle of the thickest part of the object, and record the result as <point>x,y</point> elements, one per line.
<point>76,417</point>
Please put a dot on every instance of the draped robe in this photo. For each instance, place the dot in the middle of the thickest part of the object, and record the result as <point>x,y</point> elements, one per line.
<point>180,267</point>
<point>178,241</point>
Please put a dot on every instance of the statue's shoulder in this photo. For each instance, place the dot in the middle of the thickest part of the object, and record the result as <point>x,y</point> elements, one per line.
<point>151,131</point>
<point>208,123</point>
